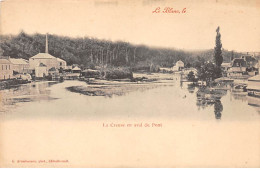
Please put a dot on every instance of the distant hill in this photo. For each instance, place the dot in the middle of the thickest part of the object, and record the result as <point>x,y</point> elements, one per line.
<point>87,51</point>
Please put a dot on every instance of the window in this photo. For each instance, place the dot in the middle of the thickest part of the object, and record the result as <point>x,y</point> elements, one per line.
<point>60,63</point>
<point>2,67</point>
<point>6,67</point>
<point>9,67</point>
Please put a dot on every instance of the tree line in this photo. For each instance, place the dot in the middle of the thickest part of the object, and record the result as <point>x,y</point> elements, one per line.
<point>91,52</point>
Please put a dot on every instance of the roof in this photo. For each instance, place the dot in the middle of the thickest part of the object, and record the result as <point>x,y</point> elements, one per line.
<point>179,61</point>
<point>60,60</point>
<point>226,64</point>
<point>19,61</point>
<point>248,58</point>
<point>43,56</point>
<point>4,61</point>
<point>76,68</point>
<point>238,62</point>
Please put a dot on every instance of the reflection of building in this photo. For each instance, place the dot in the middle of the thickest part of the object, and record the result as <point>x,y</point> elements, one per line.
<point>178,66</point>
<point>20,65</point>
<point>41,70</point>
<point>255,102</point>
<point>6,68</point>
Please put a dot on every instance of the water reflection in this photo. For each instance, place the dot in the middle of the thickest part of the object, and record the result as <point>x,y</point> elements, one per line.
<point>207,97</point>
<point>35,91</point>
<point>163,98</point>
<point>218,108</point>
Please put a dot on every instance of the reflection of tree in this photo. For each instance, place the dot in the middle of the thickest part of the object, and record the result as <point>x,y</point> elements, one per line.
<point>191,88</point>
<point>207,97</point>
<point>218,108</point>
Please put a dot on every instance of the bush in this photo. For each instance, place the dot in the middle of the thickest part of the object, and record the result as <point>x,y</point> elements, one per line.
<point>117,73</point>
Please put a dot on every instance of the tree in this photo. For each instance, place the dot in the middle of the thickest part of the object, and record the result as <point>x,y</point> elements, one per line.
<point>191,76</point>
<point>208,72</point>
<point>218,52</point>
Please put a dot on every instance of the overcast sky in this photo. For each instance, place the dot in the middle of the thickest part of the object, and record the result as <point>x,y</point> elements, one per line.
<point>133,21</point>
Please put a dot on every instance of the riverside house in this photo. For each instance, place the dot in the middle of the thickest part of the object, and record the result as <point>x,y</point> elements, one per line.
<point>6,69</point>
<point>238,68</point>
<point>20,65</point>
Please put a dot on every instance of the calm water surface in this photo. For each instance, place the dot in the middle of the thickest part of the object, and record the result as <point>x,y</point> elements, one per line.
<point>167,99</point>
<point>44,120</point>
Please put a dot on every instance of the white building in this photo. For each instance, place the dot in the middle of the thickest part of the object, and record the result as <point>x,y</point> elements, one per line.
<point>41,70</point>
<point>20,65</point>
<point>178,66</point>
<point>6,69</point>
<point>44,58</point>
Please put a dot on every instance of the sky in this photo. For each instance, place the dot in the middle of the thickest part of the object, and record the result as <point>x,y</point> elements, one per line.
<point>134,21</point>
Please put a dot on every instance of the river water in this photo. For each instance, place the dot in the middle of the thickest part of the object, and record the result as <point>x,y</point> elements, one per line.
<point>169,125</point>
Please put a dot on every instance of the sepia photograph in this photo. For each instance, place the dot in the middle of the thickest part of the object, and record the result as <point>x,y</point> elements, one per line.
<point>129,84</point>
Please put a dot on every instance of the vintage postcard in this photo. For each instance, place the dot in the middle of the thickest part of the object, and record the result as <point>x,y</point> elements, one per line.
<point>129,83</point>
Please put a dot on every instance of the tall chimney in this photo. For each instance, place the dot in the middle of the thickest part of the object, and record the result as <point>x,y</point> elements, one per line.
<point>46,45</point>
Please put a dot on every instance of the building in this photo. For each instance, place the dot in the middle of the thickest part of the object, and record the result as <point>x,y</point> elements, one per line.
<point>250,60</point>
<point>46,59</point>
<point>6,69</point>
<point>238,67</point>
<point>20,65</point>
<point>76,70</point>
<point>61,63</point>
<point>41,70</point>
<point>226,66</point>
<point>178,66</point>
<point>54,73</point>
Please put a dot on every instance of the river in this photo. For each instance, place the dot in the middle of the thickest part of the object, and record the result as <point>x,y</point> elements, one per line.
<point>168,126</point>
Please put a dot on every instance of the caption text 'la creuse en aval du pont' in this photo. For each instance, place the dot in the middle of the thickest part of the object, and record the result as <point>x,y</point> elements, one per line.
<point>132,125</point>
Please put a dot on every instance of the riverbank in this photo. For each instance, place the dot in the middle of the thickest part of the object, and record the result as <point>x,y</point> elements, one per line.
<point>12,83</point>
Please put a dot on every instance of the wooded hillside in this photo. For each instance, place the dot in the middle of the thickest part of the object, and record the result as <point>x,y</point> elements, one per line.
<point>88,51</point>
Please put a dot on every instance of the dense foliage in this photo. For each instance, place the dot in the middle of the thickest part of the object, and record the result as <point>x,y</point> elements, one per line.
<point>218,49</point>
<point>91,52</point>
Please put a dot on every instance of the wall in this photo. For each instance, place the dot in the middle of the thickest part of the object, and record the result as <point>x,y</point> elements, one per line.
<point>6,71</point>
